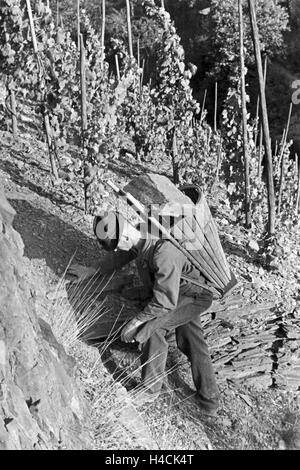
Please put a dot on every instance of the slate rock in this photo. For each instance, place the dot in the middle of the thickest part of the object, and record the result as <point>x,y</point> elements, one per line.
<point>41,403</point>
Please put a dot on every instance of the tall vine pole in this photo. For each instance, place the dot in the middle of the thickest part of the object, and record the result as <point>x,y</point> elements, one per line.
<point>48,130</point>
<point>281,159</point>
<point>13,110</point>
<point>129,28</point>
<point>203,106</point>
<point>216,107</point>
<point>298,188</point>
<point>84,123</point>
<point>117,67</point>
<point>265,121</point>
<point>138,53</point>
<point>260,152</point>
<point>57,12</point>
<point>244,120</point>
<point>103,29</point>
<point>174,152</point>
<point>78,24</point>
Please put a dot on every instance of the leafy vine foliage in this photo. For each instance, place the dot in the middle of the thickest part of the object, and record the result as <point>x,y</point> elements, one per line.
<point>272,21</point>
<point>13,47</point>
<point>50,82</point>
<point>158,122</point>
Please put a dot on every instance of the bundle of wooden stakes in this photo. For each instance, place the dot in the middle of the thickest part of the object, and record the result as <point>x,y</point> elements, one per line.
<point>192,230</point>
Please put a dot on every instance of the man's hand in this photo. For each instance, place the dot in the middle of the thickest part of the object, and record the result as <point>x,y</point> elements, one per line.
<point>129,330</point>
<point>81,272</point>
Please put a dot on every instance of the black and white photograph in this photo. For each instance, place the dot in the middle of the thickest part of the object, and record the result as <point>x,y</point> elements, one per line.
<point>150,228</point>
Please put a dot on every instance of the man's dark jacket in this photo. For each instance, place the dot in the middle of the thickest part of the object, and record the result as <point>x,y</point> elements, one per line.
<point>161,267</point>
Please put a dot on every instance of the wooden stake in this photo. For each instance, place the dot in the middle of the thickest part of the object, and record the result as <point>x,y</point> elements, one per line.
<point>256,123</point>
<point>138,53</point>
<point>244,120</point>
<point>103,28</point>
<point>203,105</point>
<point>83,87</point>
<point>32,29</point>
<point>83,114</point>
<point>219,158</point>
<point>265,121</point>
<point>163,4</point>
<point>129,28</point>
<point>276,148</point>
<point>51,145</point>
<point>282,140</point>
<point>57,12</point>
<point>281,159</point>
<point>117,67</point>
<point>140,209</point>
<point>280,185</point>
<point>175,158</point>
<point>206,257</point>
<point>298,190</point>
<point>48,130</point>
<point>142,76</point>
<point>216,107</point>
<point>78,24</point>
<point>289,122</point>
<point>261,129</point>
<point>209,137</point>
<point>296,173</point>
<point>213,247</point>
<point>13,112</point>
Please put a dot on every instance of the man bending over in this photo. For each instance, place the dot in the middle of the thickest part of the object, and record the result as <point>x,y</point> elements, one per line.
<point>175,304</point>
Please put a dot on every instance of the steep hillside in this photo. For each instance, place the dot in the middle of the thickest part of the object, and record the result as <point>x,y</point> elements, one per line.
<point>41,402</point>
<point>253,341</point>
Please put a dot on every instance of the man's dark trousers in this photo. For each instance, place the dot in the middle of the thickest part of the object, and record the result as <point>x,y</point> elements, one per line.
<point>186,322</point>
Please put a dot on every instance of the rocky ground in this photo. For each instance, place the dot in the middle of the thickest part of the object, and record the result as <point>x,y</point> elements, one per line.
<point>254,338</point>
<point>41,404</point>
